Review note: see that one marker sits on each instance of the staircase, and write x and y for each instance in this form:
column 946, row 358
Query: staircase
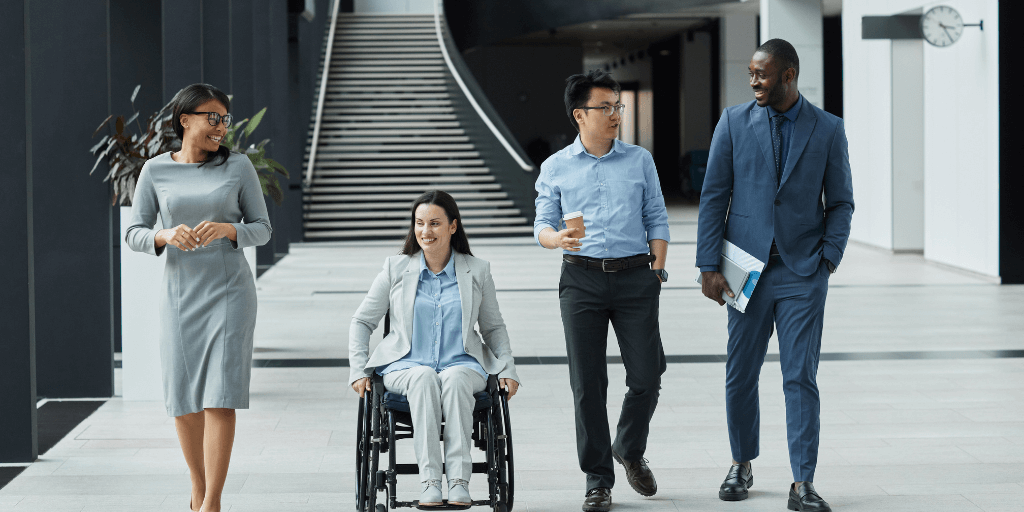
column 389, row 132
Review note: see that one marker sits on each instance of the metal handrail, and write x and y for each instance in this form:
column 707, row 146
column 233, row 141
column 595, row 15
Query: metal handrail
column 438, row 7
column 323, row 94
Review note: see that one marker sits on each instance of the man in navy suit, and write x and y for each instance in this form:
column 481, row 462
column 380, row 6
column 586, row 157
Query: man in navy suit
column 778, row 186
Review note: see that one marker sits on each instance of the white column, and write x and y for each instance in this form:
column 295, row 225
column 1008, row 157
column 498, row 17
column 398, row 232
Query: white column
column 908, row 145
column 738, row 42
column 799, row 22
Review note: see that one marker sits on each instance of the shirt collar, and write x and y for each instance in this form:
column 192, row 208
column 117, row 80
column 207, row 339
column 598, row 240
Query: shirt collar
column 449, row 269
column 577, row 147
column 793, row 111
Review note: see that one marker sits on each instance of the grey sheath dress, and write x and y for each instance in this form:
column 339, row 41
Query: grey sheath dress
column 208, row 303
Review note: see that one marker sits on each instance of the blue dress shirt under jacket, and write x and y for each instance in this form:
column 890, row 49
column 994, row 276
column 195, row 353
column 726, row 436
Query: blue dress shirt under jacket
column 437, row 324
column 618, row 193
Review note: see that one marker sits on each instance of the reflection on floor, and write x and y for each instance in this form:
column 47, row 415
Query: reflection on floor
column 935, row 433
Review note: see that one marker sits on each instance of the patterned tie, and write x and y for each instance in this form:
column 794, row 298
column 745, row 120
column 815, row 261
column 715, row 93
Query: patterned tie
column 777, row 120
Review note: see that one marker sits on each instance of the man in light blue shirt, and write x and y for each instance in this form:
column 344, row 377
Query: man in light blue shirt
column 607, row 276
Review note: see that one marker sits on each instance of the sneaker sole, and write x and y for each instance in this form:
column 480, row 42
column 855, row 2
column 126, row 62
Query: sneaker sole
column 638, row 491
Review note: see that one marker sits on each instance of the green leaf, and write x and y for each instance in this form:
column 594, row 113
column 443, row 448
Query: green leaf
column 120, row 125
column 255, row 122
column 100, row 143
column 136, row 92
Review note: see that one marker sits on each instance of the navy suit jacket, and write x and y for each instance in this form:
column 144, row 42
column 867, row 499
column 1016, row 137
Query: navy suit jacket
column 808, row 216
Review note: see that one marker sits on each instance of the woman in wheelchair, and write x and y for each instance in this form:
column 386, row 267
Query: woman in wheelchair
column 436, row 292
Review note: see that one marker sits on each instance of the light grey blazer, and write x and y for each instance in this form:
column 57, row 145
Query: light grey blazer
column 395, row 289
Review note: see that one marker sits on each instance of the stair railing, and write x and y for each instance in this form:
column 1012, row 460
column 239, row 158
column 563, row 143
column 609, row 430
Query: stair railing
column 438, row 9
column 323, row 93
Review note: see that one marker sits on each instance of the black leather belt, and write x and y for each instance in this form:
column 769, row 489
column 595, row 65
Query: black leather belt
column 609, row 265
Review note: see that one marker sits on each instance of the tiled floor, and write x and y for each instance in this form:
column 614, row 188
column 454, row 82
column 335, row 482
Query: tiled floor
column 901, row 435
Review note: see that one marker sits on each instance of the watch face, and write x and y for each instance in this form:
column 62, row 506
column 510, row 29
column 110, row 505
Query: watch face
column 942, row 26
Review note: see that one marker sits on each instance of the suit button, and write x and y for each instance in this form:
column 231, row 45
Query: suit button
column 777, row 202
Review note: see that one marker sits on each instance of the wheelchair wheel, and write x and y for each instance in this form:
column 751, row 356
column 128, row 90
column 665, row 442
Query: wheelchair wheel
column 363, row 429
column 374, row 459
column 503, row 455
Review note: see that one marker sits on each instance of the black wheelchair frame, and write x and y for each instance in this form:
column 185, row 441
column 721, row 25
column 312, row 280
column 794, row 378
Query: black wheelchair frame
column 381, row 424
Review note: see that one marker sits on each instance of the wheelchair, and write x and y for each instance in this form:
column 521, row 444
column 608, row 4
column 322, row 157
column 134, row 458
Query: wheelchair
column 384, row 419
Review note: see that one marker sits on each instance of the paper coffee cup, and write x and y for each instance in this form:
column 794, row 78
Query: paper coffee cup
column 575, row 220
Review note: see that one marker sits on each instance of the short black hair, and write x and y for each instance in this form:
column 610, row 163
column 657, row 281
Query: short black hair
column 578, row 87
column 783, row 52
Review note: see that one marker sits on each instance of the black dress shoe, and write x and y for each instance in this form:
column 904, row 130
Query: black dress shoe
column 739, row 479
column 639, row 476
column 807, row 499
column 598, row 500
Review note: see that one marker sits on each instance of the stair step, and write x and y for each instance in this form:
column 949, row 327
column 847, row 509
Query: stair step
column 403, row 223
column 402, row 156
column 388, row 31
column 403, row 213
column 353, row 94
column 399, row 233
column 380, row 189
column 334, row 164
column 362, row 208
column 386, row 67
column 426, row 131
column 341, row 77
column 390, row 57
column 373, row 198
column 410, row 109
column 356, row 140
column 338, row 148
column 382, row 46
column 407, row 38
column 426, row 171
column 380, row 180
column 409, row 101
column 392, row 127
column 388, row 85
column 381, row 121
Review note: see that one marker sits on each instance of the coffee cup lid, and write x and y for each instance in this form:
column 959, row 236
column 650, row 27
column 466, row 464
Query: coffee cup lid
column 572, row 215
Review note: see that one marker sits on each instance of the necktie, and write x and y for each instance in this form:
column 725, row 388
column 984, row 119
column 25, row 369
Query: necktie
column 777, row 120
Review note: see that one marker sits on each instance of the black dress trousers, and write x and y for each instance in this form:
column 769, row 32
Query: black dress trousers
column 589, row 299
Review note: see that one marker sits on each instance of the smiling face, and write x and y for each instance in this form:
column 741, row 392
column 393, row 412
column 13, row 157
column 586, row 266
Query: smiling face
column 198, row 132
column 594, row 125
column 771, row 85
column 433, row 230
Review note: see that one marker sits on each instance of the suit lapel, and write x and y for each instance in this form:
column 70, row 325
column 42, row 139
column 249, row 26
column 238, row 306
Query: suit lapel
column 801, row 134
column 410, row 281
column 465, row 279
column 759, row 123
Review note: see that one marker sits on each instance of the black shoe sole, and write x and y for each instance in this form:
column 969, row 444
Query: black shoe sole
column 596, row 509
column 638, row 491
column 795, row 505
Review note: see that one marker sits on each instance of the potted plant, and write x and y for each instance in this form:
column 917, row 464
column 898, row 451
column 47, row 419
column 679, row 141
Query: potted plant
column 126, row 150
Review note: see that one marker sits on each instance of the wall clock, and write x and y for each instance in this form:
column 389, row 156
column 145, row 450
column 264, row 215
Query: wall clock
column 942, row 26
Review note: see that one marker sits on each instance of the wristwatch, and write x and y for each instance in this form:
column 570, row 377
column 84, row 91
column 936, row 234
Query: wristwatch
column 662, row 273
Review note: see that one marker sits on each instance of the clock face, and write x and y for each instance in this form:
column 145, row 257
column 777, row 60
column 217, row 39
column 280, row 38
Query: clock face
column 942, row 26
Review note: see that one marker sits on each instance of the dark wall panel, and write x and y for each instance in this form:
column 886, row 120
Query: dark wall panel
column 216, row 43
column 665, row 83
column 526, row 85
column 182, row 40
column 1011, row 181
column 17, row 381
column 71, row 212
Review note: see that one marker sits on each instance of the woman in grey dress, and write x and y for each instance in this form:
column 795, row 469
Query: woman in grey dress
column 211, row 206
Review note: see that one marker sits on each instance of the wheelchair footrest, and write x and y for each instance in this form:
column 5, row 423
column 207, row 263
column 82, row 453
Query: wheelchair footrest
column 444, row 505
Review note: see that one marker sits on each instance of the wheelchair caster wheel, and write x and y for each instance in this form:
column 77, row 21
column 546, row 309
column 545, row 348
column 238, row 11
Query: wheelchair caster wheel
column 500, row 507
column 380, row 508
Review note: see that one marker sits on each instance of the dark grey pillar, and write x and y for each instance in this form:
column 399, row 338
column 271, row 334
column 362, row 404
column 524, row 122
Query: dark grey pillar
column 1011, row 181
column 182, row 36
column 70, row 208
column 17, row 344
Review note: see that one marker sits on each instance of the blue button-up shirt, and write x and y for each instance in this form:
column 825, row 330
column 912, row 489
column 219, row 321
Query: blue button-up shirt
column 437, row 324
column 618, row 193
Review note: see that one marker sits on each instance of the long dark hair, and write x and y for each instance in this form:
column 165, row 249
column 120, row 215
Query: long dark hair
column 188, row 100
column 460, row 242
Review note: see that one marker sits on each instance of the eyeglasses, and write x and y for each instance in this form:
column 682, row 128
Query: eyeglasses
column 609, row 109
column 214, row 118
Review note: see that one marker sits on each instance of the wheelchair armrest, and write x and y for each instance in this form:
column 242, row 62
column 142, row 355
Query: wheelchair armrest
column 492, row 383
column 378, row 384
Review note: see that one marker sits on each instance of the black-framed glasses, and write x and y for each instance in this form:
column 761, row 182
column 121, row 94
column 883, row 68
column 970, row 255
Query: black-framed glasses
column 609, row 109
column 215, row 118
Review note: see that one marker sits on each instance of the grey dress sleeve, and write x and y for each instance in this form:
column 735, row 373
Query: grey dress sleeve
column 141, row 233
column 374, row 306
column 255, row 226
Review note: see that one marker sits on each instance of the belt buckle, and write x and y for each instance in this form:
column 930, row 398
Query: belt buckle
column 604, row 266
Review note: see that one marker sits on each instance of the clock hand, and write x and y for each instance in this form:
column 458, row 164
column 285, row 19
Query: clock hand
column 945, row 28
